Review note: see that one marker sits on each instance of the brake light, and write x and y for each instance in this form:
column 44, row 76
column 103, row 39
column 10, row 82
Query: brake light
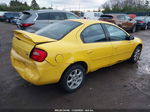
column 38, row 55
column 141, row 22
column 26, row 25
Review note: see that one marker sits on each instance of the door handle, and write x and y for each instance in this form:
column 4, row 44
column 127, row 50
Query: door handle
column 90, row 51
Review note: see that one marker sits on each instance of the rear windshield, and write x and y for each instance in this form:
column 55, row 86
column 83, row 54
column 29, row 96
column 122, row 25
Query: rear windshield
column 106, row 17
column 58, row 30
column 139, row 18
column 25, row 16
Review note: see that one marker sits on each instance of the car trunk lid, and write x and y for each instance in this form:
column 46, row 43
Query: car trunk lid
column 24, row 42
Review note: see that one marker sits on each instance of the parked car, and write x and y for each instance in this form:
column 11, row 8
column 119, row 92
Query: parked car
column 34, row 20
column 122, row 20
column 91, row 15
column 2, row 15
column 11, row 15
column 143, row 22
column 67, row 50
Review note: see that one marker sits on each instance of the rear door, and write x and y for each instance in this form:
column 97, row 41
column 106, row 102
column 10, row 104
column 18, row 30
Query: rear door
column 96, row 46
column 122, row 48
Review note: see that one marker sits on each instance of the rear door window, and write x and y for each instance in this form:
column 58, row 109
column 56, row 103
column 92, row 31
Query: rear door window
column 93, row 33
column 43, row 16
column 57, row 16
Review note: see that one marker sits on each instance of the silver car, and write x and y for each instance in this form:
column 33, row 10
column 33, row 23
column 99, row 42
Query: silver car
column 34, row 20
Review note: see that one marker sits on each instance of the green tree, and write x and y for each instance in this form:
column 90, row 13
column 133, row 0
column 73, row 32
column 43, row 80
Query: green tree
column 34, row 5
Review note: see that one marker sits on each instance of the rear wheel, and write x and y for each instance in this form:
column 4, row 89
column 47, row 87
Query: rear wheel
column 146, row 27
column 136, row 54
column 73, row 78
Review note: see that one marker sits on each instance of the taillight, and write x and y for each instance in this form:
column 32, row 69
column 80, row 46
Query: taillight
column 141, row 22
column 26, row 25
column 38, row 55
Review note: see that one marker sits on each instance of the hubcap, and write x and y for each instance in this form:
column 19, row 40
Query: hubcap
column 75, row 79
column 137, row 54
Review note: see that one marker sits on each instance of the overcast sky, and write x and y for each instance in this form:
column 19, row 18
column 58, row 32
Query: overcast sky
column 66, row 4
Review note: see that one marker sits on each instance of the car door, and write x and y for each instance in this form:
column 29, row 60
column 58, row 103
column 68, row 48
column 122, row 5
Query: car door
column 122, row 48
column 57, row 16
column 96, row 46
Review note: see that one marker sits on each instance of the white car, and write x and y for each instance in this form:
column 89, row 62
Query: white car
column 91, row 15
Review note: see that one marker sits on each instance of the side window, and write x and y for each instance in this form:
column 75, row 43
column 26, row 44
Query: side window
column 43, row 16
column 121, row 17
column 57, row 16
column 71, row 16
column 93, row 33
column 116, row 33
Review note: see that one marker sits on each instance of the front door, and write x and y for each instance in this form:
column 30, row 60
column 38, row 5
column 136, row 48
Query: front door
column 122, row 48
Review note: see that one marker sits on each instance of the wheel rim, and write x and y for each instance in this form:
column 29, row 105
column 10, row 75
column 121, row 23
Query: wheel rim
column 146, row 27
column 134, row 29
column 137, row 54
column 75, row 78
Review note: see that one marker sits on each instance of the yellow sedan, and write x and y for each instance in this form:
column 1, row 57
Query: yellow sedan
column 67, row 50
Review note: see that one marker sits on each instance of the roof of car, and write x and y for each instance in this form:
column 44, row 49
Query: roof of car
column 87, row 21
column 47, row 10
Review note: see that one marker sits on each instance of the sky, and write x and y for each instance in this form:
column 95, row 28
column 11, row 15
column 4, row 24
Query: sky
column 67, row 4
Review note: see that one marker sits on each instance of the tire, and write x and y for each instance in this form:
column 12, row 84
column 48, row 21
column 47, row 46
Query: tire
column 145, row 28
column 136, row 54
column 133, row 30
column 73, row 78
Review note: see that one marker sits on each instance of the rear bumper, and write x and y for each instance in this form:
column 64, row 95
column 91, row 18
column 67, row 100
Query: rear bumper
column 37, row 73
column 140, row 26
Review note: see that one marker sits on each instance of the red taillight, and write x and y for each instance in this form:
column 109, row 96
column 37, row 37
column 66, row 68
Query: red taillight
column 141, row 22
column 38, row 55
column 26, row 25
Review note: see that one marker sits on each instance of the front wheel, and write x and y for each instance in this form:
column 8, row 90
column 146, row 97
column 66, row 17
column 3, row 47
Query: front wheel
column 133, row 29
column 73, row 78
column 136, row 54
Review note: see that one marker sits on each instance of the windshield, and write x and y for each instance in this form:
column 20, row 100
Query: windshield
column 58, row 30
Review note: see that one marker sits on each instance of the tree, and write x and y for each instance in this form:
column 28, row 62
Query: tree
column 34, row 5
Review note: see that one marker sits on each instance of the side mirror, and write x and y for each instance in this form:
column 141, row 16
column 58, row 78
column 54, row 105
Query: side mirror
column 130, row 37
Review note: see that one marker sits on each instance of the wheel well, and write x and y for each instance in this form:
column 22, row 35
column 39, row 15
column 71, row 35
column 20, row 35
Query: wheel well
column 140, row 45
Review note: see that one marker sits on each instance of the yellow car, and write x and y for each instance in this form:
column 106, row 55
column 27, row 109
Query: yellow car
column 67, row 50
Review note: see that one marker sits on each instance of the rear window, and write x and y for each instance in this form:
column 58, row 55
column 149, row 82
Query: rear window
column 25, row 16
column 106, row 17
column 58, row 30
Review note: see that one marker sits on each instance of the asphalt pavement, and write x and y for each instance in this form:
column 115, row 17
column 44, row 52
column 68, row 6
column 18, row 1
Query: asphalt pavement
column 121, row 86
